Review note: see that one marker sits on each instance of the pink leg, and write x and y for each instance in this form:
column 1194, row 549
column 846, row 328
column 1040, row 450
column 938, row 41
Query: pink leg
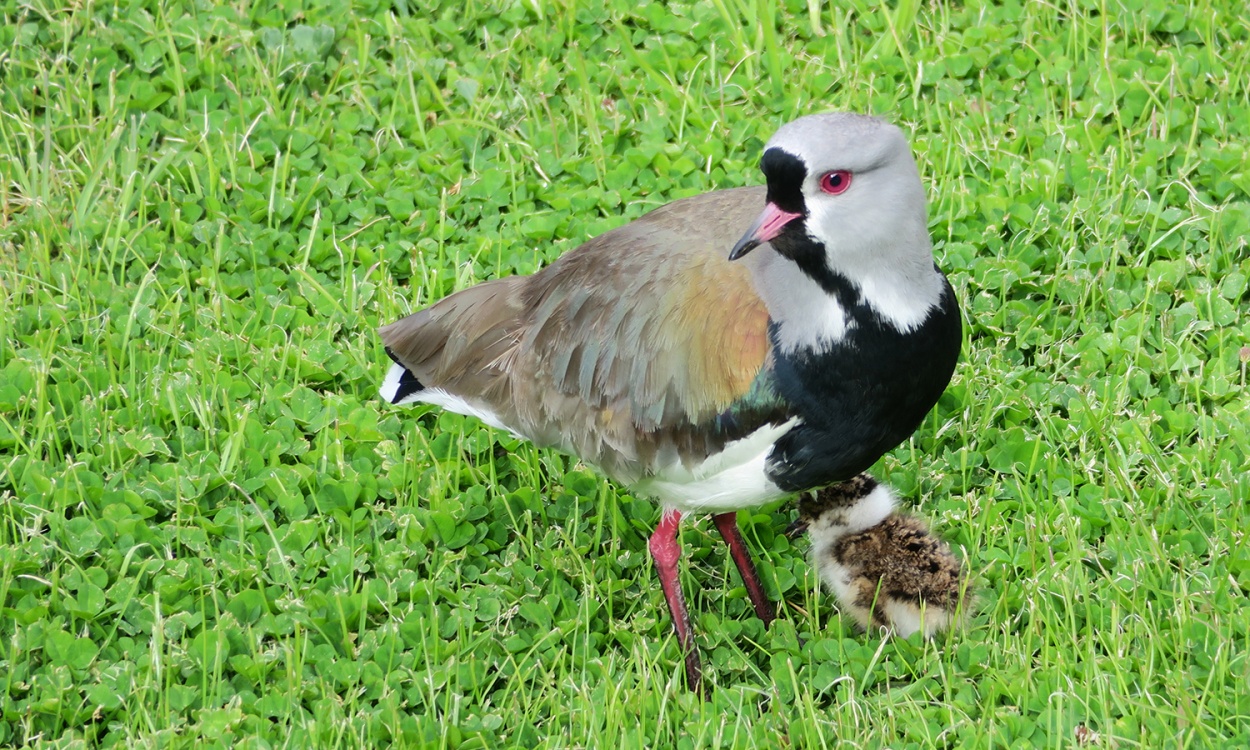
column 666, row 551
column 727, row 523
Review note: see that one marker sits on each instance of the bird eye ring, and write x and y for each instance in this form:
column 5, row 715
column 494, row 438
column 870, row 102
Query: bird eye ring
column 835, row 182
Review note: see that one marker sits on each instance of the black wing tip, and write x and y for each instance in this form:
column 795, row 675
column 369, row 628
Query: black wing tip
column 408, row 383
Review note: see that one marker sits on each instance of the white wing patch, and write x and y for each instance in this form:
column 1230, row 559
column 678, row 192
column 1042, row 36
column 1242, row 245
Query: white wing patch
column 439, row 397
column 725, row 481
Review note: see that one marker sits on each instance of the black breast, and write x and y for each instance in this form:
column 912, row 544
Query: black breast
column 864, row 395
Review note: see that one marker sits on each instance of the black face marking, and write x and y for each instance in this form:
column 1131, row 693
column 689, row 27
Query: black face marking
column 864, row 395
column 785, row 174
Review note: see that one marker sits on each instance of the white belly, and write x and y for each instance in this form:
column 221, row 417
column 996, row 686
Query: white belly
column 725, row 481
column 439, row 397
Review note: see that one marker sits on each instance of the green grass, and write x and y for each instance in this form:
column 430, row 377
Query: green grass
column 213, row 534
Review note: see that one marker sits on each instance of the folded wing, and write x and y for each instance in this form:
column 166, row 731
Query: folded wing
column 642, row 347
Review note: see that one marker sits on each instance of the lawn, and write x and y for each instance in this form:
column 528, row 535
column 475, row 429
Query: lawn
column 213, row 534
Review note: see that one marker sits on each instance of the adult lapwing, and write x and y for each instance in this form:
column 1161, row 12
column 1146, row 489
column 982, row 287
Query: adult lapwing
column 722, row 351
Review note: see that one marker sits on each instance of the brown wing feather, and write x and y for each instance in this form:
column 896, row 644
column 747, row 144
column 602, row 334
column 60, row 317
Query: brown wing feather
column 463, row 343
column 620, row 351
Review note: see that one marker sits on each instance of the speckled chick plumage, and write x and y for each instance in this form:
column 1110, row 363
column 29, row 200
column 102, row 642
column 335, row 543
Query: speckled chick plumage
column 886, row 568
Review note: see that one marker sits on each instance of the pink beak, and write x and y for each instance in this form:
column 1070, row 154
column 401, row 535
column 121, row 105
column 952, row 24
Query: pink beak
column 767, row 226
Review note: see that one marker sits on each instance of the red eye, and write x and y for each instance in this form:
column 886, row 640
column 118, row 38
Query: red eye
column 835, row 182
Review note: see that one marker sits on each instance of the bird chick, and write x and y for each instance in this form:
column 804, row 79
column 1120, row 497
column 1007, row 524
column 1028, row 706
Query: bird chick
column 885, row 567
